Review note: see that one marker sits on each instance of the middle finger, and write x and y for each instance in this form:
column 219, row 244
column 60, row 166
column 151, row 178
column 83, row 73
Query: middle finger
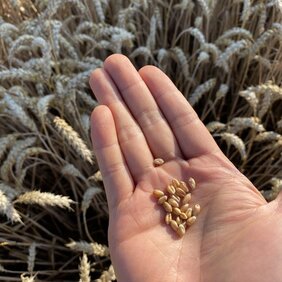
column 143, row 107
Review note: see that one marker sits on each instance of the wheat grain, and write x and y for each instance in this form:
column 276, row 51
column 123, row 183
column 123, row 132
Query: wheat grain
column 162, row 200
column 31, row 257
column 173, row 203
column 73, row 138
column 158, row 162
column 184, row 208
column 158, row 193
column 186, row 199
column 175, row 182
column 168, row 218
column 183, row 215
column 183, row 186
column 176, row 211
column 196, row 210
column 174, row 225
column 44, row 199
column 170, row 189
column 167, row 207
column 191, row 220
column 84, row 269
column 181, row 230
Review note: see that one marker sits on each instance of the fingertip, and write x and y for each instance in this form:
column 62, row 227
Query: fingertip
column 100, row 114
column 149, row 70
column 114, row 61
column 95, row 75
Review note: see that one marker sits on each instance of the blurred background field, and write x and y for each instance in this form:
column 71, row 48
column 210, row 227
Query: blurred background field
column 226, row 58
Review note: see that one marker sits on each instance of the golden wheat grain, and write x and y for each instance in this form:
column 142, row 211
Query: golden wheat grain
column 170, row 189
column 162, row 200
column 168, row 218
column 181, row 230
column 158, row 193
column 184, row 207
column 167, row 207
column 192, row 183
column 191, row 220
column 196, row 210
column 174, row 225
column 173, row 203
column 158, row 162
column 186, row 199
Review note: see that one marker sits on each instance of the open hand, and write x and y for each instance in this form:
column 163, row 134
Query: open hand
column 142, row 116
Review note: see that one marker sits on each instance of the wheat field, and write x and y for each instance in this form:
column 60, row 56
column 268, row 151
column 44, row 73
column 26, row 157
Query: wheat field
column 226, row 58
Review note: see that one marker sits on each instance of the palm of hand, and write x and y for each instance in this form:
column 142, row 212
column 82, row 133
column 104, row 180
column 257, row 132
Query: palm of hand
column 142, row 247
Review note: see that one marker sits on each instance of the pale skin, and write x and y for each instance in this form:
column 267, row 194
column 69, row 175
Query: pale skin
column 142, row 116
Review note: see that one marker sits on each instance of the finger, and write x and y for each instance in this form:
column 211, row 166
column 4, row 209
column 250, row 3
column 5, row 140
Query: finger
column 131, row 139
column 115, row 173
column 191, row 134
column 143, row 107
